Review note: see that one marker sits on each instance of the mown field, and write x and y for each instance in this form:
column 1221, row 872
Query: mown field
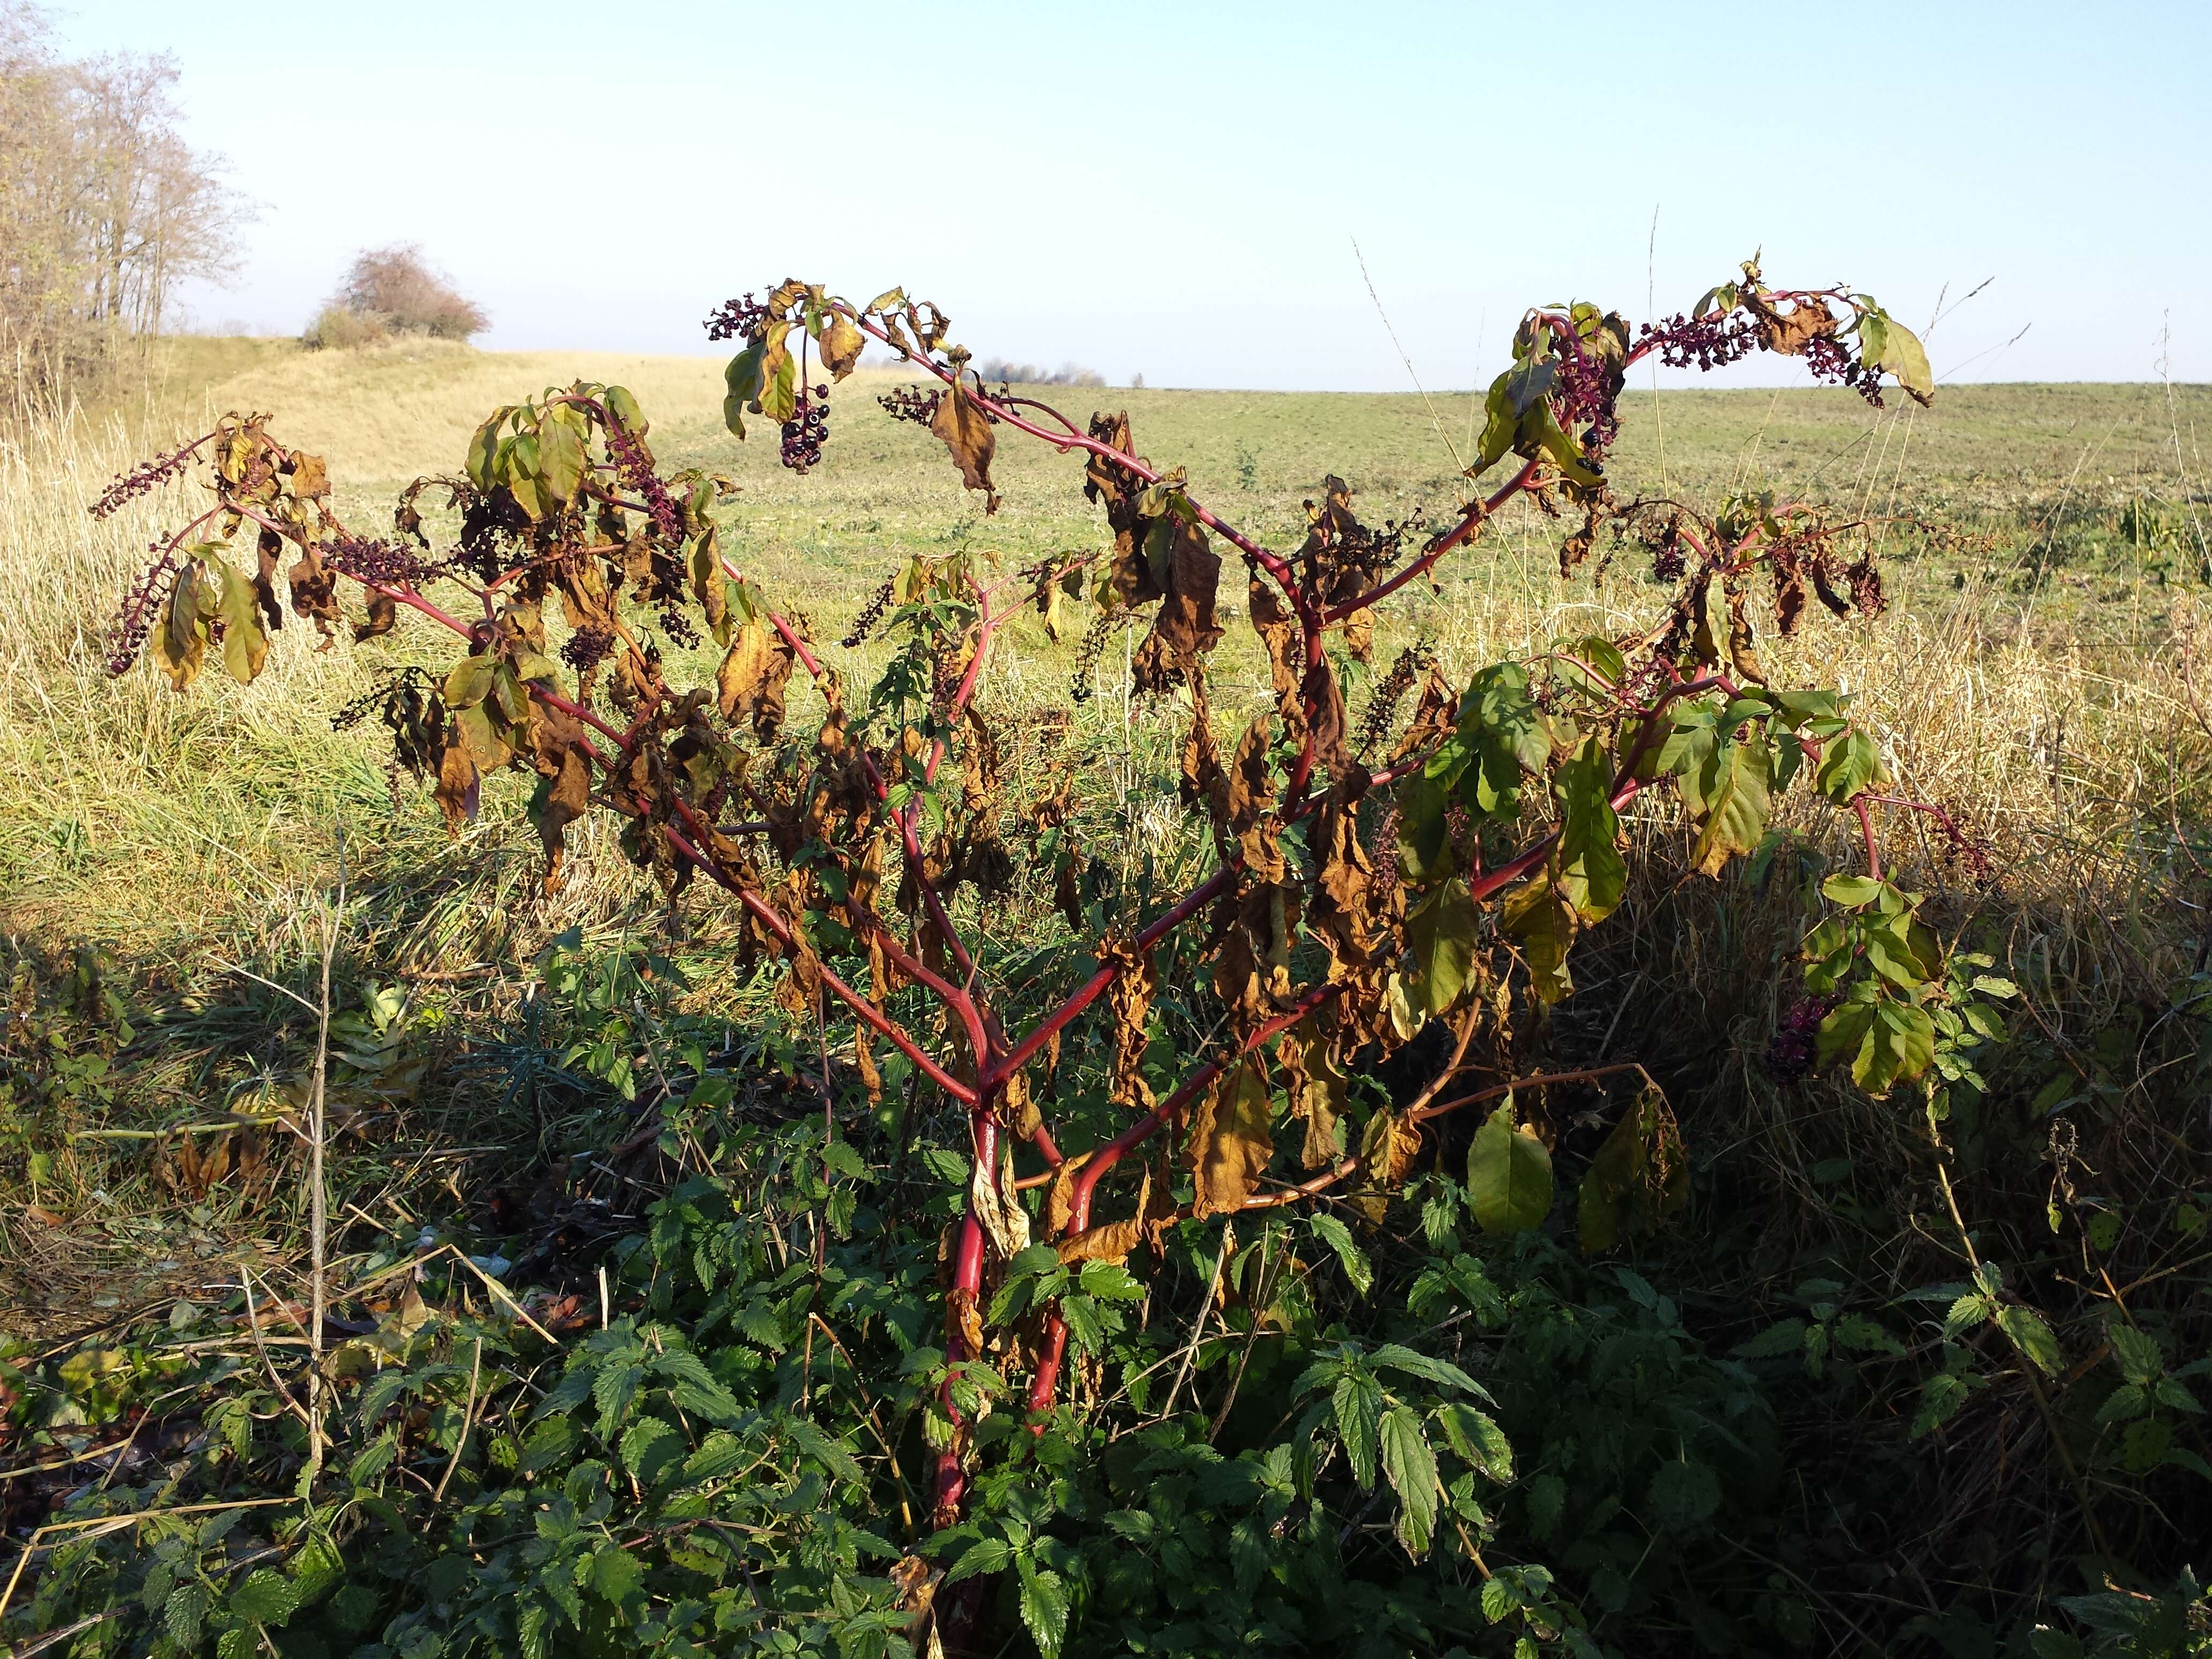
column 167, row 867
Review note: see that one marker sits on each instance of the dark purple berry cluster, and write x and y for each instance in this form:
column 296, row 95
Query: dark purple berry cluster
column 634, row 469
column 143, row 479
column 1797, row 1046
column 869, row 617
column 678, row 627
column 1585, row 389
column 912, row 403
column 1831, row 360
column 1695, row 343
column 135, row 621
column 807, row 430
column 736, row 320
column 588, row 647
column 386, row 564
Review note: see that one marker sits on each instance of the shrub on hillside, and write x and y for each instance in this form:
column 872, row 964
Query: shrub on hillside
column 392, row 291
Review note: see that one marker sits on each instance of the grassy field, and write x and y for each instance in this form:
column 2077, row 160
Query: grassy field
column 2044, row 671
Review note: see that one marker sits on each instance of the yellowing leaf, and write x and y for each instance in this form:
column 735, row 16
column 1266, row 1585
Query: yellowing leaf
column 1231, row 1141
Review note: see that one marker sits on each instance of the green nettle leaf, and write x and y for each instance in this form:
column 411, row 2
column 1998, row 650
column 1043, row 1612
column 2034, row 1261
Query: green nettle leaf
column 1685, row 1494
column 1044, row 1607
column 2032, row 1336
column 1440, row 932
column 265, row 1597
column 1338, row 1236
column 1358, row 1402
column 1509, row 1176
column 1410, row 1464
column 1476, row 1441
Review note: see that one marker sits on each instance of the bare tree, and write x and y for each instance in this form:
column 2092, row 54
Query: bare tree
column 104, row 208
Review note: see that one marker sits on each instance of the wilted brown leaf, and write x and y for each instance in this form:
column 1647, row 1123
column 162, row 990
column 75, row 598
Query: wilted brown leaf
column 960, row 424
column 1230, row 1140
column 750, row 681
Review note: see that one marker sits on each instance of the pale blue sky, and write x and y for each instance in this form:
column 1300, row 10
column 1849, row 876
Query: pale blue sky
column 1173, row 189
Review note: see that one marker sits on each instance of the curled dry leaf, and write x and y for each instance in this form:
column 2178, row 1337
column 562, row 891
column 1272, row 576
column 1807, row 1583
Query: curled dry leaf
column 960, row 424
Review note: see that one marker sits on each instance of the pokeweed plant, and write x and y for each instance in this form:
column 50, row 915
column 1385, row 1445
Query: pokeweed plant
column 1369, row 877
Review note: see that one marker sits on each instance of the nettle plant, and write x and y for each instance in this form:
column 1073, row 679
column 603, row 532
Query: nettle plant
column 1371, row 877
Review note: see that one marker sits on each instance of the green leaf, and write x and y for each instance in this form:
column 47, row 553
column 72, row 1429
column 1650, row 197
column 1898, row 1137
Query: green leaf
column 245, row 641
column 1901, row 1044
column 1410, row 1464
column 2136, row 1355
column 1338, row 1236
column 2032, row 1336
column 984, row 1555
column 1850, row 764
column 469, row 683
column 1477, row 1441
column 1788, row 1337
column 1441, row 932
column 1939, row 1399
column 1358, row 1403
column 1737, row 801
column 1685, row 1494
column 561, row 452
column 266, row 1597
column 1545, row 924
column 1044, row 1607
column 616, row 1574
column 1886, row 343
column 1509, row 1176
column 1851, row 891
column 1588, row 870
column 741, row 382
column 1396, row 1355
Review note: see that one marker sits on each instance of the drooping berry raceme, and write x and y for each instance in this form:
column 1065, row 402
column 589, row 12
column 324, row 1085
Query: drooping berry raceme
column 1790, row 1057
column 1830, row 359
column 134, row 621
column 384, row 564
column 587, row 647
column 144, row 479
column 736, row 320
column 880, row 602
column 807, row 429
column 1695, row 343
column 911, row 403
column 634, row 469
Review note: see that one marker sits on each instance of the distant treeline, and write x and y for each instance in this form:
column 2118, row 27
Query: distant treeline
column 104, row 208
column 997, row 369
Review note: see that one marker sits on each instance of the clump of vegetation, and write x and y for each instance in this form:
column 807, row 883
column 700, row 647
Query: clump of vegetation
column 390, row 292
column 1231, row 1238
